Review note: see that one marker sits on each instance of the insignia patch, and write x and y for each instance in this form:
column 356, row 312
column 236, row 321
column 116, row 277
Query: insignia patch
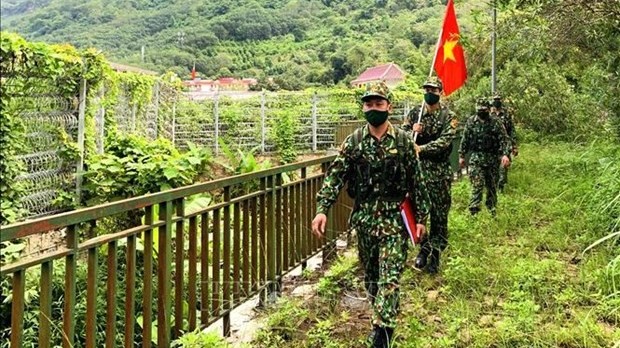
column 454, row 123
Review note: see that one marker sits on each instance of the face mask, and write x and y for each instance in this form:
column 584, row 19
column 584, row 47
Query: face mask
column 431, row 98
column 497, row 103
column 483, row 114
column 376, row 117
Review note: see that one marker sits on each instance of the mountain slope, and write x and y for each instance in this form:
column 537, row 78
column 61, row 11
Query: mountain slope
column 300, row 41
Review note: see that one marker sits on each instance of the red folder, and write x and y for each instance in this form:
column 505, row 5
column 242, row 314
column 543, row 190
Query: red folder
column 407, row 212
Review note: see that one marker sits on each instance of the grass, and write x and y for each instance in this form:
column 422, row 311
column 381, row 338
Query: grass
column 524, row 279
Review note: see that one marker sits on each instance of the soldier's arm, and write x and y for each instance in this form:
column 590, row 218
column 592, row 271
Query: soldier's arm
column 448, row 132
column 335, row 178
column 418, row 189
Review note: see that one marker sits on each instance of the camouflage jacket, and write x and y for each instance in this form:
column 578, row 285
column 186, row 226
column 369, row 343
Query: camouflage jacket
column 384, row 170
column 435, row 140
column 506, row 119
column 486, row 140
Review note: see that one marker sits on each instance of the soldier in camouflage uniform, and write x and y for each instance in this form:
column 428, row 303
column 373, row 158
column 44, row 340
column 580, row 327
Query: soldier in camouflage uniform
column 379, row 164
column 436, row 130
column 486, row 140
column 500, row 112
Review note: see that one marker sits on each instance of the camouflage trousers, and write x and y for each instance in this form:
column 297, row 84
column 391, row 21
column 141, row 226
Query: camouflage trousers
column 437, row 236
column 483, row 176
column 384, row 260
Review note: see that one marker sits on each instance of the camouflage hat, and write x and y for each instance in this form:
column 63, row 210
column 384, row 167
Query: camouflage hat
column 377, row 89
column 482, row 103
column 497, row 96
column 434, row 82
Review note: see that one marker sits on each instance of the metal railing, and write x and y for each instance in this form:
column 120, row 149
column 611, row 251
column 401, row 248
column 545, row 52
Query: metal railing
column 196, row 266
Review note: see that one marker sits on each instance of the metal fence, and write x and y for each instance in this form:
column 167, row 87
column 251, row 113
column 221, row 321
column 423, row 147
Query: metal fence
column 192, row 266
column 249, row 123
column 50, row 120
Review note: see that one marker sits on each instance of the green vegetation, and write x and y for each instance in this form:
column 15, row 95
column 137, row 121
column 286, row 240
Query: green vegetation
column 524, row 279
column 556, row 61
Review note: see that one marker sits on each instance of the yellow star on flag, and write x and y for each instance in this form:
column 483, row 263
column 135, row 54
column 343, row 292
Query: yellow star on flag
column 448, row 48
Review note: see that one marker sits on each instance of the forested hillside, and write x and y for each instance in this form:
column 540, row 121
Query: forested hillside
column 557, row 59
column 300, row 42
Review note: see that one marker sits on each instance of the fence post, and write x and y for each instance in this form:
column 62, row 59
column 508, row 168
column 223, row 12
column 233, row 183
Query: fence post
column 262, row 121
column 216, row 115
column 101, row 121
column 80, row 140
column 271, row 240
column 156, row 109
column 174, row 119
column 134, row 111
column 314, row 121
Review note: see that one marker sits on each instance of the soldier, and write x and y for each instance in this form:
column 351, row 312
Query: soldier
column 379, row 164
column 486, row 139
column 500, row 112
column 436, row 131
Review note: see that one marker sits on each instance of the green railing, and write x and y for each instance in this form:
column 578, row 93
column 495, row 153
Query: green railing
column 210, row 260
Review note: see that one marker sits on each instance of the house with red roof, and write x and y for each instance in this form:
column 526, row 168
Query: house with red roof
column 391, row 73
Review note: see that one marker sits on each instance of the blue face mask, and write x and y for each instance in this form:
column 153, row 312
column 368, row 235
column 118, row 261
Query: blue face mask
column 376, row 117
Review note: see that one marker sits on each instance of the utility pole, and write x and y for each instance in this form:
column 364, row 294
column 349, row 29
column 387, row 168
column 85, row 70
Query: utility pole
column 493, row 49
column 142, row 54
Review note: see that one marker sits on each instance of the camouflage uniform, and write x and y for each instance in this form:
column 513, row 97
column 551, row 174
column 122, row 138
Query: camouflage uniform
column 379, row 173
column 487, row 141
column 434, row 146
column 506, row 118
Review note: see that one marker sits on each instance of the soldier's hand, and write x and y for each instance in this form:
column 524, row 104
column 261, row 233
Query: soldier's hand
column 505, row 161
column 462, row 162
column 417, row 149
column 420, row 229
column 418, row 127
column 318, row 225
column 515, row 151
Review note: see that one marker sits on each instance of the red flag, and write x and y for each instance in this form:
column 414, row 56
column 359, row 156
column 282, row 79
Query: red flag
column 450, row 60
column 194, row 72
column 407, row 212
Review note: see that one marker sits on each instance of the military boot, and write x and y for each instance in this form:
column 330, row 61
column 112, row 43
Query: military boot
column 376, row 338
column 389, row 334
column 433, row 265
column 420, row 260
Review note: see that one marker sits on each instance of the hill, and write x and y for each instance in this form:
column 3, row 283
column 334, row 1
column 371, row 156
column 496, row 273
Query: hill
column 300, row 42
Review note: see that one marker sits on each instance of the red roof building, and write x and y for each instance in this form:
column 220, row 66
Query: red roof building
column 391, row 73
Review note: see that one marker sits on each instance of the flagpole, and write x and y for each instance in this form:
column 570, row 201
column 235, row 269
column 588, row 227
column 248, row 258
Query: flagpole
column 430, row 74
column 493, row 50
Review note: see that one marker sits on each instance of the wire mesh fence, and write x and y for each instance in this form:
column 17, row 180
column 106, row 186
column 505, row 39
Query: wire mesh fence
column 49, row 121
column 250, row 123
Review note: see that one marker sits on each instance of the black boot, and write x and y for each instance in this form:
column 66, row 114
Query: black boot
column 433, row 265
column 389, row 334
column 376, row 338
column 420, row 260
